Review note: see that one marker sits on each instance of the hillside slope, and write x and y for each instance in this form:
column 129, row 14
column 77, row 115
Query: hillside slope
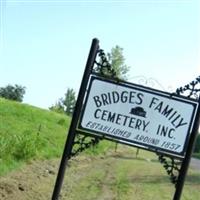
column 27, row 132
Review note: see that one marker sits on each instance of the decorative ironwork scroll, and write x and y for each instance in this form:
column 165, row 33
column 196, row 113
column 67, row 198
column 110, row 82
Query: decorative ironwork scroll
column 102, row 65
column 83, row 142
column 172, row 165
column 150, row 82
column 191, row 90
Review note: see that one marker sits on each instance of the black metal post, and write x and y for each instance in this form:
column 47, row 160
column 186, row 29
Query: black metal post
column 71, row 134
column 186, row 160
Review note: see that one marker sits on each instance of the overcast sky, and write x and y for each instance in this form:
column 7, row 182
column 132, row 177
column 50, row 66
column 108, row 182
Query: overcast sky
column 45, row 44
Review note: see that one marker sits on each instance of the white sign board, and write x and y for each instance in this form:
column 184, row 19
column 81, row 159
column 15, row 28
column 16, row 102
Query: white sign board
column 138, row 115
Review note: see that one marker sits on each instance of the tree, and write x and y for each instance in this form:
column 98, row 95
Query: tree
column 66, row 105
column 58, row 107
column 69, row 101
column 113, row 62
column 11, row 92
column 117, row 61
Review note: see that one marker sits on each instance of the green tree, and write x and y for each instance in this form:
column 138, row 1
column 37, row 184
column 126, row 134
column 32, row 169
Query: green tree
column 66, row 105
column 113, row 61
column 58, row 107
column 11, row 92
column 69, row 101
column 117, row 61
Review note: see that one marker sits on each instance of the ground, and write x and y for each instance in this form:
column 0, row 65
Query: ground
column 88, row 177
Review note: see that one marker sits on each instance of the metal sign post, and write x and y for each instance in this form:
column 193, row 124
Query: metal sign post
column 186, row 160
column 71, row 134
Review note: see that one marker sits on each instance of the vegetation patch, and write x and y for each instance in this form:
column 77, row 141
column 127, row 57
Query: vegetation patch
column 27, row 132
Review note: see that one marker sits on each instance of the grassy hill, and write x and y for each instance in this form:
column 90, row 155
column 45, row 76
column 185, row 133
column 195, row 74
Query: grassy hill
column 27, row 132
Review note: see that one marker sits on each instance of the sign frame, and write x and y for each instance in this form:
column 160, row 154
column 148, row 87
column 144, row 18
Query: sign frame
column 166, row 95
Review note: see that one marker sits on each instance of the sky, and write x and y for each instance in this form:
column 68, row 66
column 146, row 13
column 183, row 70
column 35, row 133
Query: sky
column 44, row 45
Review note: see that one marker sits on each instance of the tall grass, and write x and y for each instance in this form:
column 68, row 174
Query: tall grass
column 27, row 132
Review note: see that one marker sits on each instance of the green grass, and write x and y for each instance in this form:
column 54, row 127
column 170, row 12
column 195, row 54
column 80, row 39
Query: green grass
column 27, row 132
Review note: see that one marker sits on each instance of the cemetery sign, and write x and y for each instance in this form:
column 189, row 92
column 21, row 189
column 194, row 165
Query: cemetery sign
column 138, row 115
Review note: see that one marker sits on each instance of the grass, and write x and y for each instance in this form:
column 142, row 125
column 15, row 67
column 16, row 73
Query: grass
column 27, row 132
column 121, row 176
